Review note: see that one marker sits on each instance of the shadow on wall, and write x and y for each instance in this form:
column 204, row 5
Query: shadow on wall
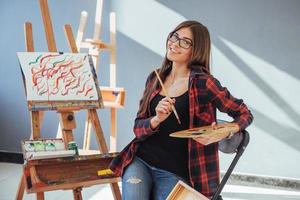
column 134, row 63
column 261, row 119
column 267, row 40
column 238, row 22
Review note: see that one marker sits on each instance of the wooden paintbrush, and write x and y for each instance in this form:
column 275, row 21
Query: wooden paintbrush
column 167, row 95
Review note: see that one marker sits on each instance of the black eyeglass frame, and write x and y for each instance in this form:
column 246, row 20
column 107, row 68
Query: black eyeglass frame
column 187, row 41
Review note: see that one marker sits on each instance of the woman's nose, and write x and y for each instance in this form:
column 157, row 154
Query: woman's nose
column 176, row 43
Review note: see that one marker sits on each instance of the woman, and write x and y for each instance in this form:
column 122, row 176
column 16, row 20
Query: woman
column 153, row 162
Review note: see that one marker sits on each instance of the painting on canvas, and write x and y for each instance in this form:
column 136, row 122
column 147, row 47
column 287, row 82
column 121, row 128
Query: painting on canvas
column 55, row 77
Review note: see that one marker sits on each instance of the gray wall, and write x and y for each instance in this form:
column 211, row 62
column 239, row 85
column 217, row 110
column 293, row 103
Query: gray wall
column 255, row 46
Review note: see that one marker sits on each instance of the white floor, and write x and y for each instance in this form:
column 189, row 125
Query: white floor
column 10, row 177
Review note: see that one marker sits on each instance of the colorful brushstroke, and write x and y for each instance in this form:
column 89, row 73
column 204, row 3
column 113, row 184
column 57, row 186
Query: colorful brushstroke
column 61, row 75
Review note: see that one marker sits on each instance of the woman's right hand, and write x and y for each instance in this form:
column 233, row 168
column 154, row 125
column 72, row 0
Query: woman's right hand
column 163, row 110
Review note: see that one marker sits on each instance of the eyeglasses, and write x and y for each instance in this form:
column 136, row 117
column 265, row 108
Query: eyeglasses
column 183, row 42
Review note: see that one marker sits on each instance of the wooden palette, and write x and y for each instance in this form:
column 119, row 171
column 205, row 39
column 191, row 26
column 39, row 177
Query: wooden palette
column 208, row 133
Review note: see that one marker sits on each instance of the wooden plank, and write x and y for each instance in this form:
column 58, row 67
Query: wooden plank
column 183, row 191
column 67, row 119
column 40, row 196
column 77, row 193
column 35, row 125
column 113, row 111
column 113, row 36
column 30, row 48
column 87, row 133
column 116, row 192
column 113, row 130
column 113, row 97
column 98, row 19
column 36, row 134
column 81, row 27
column 67, row 123
column 99, row 44
column 36, row 117
column 70, row 38
column 103, row 148
column 98, row 131
column 21, row 188
column 28, row 37
column 48, row 25
column 29, row 44
column 35, row 178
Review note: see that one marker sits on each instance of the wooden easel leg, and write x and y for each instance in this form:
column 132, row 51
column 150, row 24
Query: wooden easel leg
column 116, row 191
column 87, row 133
column 77, row 194
column 40, row 196
column 103, row 147
column 35, row 134
column 20, row 192
column 98, row 131
column 67, row 123
column 113, row 130
column 21, row 189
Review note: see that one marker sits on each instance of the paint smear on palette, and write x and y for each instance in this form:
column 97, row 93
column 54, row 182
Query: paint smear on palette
column 58, row 77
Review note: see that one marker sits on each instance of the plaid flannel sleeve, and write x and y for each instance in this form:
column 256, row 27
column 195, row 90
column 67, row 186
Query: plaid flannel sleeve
column 225, row 102
column 142, row 127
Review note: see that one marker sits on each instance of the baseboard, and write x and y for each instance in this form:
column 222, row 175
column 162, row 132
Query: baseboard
column 263, row 181
column 11, row 157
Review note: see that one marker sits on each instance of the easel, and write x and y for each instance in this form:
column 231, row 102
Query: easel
column 113, row 96
column 66, row 115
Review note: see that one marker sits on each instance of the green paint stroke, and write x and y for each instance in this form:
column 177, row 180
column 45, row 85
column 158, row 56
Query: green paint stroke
column 33, row 62
column 55, row 63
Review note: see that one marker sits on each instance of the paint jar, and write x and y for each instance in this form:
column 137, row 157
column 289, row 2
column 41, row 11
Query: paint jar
column 73, row 146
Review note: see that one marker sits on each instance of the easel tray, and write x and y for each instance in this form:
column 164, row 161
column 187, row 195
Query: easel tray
column 68, row 173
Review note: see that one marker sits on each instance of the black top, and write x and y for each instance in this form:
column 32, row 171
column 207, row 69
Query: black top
column 165, row 152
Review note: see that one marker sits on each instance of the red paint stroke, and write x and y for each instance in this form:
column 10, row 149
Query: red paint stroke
column 64, row 74
column 90, row 89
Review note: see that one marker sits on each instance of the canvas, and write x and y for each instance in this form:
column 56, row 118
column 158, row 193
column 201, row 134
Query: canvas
column 54, row 77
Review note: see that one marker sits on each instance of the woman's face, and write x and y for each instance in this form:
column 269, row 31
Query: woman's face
column 179, row 46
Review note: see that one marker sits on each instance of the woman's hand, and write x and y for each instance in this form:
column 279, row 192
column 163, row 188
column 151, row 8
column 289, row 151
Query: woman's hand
column 163, row 110
column 209, row 140
column 206, row 140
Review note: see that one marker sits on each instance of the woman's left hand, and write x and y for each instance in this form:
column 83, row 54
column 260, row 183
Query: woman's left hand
column 206, row 140
column 209, row 140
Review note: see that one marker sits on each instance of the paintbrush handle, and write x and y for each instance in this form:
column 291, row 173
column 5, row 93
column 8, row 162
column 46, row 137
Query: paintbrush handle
column 166, row 94
column 162, row 85
column 176, row 114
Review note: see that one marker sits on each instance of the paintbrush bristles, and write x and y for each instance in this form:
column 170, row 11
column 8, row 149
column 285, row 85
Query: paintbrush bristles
column 167, row 95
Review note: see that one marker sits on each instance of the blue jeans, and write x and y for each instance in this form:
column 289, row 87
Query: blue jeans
column 141, row 181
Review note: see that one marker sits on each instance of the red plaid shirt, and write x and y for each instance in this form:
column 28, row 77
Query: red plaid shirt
column 205, row 95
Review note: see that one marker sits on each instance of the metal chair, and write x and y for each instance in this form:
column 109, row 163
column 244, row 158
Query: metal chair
column 235, row 144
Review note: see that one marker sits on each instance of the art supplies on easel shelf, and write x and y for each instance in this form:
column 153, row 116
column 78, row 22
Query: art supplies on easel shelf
column 64, row 173
column 46, row 148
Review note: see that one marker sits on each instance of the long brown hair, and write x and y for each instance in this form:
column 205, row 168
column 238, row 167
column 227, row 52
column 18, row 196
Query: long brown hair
column 200, row 59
